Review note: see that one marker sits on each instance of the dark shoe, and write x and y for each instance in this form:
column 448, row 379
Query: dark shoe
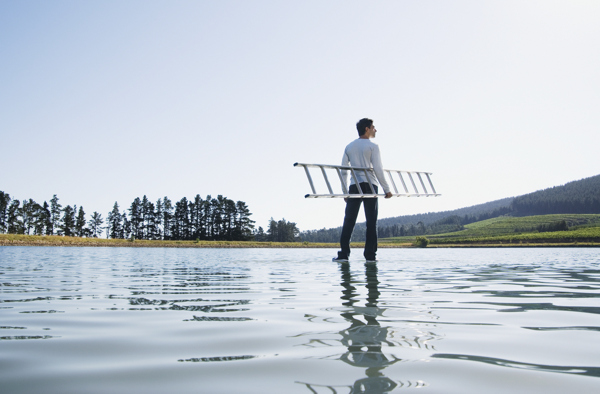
column 339, row 260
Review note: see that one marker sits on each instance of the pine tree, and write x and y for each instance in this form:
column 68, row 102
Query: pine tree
column 243, row 225
column 14, row 221
column 197, row 217
column 158, row 215
column 40, row 220
column 80, row 223
column 181, row 222
column 95, row 225
column 125, row 232
column 207, row 228
column 67, row 224
column 145, row 218
column 272, row 233
column 217, row 208
column 114, row 228
column 149, row 221
column 229, row 219
column 4, row 204
column 29, row 213
column 47, row 218
column 55, row 211
column 135, row 219
column 167, row 218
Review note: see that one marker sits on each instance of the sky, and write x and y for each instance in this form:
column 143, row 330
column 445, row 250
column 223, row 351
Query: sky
column 106, row 101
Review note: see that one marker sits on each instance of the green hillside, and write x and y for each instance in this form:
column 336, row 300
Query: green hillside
column 563, row 228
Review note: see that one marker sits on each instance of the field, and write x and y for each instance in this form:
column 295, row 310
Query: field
column 515, row 230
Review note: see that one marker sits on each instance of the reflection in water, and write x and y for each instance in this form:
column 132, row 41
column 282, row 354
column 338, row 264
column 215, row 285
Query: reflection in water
column 216, row 359
column 215, row 318
column 27, row 337
column 365, row 338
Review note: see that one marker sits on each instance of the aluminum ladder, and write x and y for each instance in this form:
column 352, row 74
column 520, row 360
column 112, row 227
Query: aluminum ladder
column 410, row 175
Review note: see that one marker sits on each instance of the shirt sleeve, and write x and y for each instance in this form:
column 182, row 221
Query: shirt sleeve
column 345, row 162
column 378, row 169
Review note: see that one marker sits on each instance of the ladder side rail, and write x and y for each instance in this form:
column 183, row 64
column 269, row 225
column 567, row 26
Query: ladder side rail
column 422, row 184
column 363, row 195
column 326, row 180
column 430, row 183
column 413, row 182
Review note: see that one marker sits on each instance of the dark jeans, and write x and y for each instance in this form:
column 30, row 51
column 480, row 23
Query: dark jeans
column 352, row 208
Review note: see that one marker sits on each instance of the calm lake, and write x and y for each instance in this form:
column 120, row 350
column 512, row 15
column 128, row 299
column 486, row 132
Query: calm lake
column 134, row 320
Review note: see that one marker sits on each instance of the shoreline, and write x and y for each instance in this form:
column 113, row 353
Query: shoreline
column 55, row 240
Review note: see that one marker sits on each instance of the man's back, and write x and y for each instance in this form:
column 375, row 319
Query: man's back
column 365, row 153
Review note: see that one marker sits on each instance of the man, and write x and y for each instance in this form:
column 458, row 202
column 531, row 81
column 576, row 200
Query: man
column 362, row 153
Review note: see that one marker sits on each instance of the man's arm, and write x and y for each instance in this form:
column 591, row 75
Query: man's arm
column 378, row 169
column 345, row 162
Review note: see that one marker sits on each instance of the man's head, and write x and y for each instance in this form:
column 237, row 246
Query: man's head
column 363, row 125
column 365, row 128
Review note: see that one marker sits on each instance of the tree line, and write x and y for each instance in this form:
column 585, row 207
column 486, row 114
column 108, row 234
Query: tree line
column 278, row 231
column 29, row 217
column 213, row 218
column 199, row 219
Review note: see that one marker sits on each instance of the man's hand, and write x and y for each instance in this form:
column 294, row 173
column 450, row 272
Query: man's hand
column 388, row 195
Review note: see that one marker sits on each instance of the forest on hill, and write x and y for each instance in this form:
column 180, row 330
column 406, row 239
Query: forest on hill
column 580, row 197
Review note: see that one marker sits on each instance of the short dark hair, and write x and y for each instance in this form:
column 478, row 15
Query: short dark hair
column 363, row 124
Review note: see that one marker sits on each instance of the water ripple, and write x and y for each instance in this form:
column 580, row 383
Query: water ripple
column 161, row 320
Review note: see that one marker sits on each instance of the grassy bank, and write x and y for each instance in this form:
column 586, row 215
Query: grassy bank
column 54, row 240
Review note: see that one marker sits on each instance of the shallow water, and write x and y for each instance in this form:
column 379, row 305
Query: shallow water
column 129, row 320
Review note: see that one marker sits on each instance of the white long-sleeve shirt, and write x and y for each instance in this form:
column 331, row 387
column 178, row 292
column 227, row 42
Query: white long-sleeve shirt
column 364, row 153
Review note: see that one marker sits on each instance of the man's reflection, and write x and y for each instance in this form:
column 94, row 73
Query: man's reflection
column 365, row 338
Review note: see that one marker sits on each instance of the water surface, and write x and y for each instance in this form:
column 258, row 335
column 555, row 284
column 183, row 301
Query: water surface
column 132, row 320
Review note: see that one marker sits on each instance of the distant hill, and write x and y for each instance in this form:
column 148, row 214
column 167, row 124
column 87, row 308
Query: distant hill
column 485, row 209
column 580, row 197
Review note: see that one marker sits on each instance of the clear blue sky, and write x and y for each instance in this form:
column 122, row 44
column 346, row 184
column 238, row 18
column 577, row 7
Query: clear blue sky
column 104, row 101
